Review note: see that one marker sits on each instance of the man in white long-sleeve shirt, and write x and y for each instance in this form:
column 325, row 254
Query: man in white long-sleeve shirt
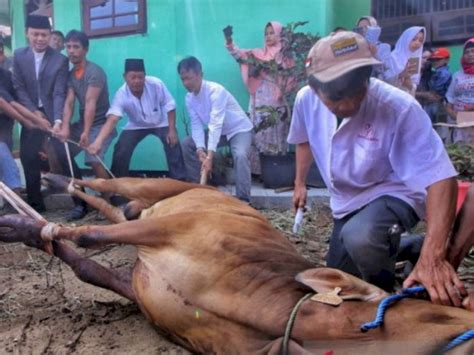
column 210, row 104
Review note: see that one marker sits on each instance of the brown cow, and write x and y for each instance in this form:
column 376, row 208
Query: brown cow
column 216, row 277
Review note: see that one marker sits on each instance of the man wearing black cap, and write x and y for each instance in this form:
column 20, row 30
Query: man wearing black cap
column 151, row 110
column 39, row 78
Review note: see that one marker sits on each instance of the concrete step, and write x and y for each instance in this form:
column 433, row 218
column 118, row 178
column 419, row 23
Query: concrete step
column 261, row 198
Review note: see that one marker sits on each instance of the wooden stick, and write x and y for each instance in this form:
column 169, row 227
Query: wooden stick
column 24, row 209
column 18, row 204
column 203, row 180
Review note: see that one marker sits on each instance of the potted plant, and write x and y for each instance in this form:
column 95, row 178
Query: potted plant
column 277, row 162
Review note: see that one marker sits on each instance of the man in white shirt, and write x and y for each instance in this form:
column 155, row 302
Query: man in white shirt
column 210, row 104
column 151, row 110
column 383, row 165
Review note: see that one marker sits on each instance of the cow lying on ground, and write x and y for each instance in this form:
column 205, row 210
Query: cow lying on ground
column 216, row 277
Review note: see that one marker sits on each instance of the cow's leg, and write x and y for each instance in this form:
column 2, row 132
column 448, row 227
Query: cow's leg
column 149, row 191
column 93, row 273
column 153, row 231
column 16, row 228
column 112, row 213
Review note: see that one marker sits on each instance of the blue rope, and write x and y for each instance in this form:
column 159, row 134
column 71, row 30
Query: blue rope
column 459, row 340
column 386, row 302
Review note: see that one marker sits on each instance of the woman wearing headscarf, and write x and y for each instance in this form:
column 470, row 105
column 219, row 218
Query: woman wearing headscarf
column 404, row 65
column 264, row 90
column 460, row 94
column 368, row 27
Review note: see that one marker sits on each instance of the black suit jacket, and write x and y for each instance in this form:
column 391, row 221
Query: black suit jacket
column 52, row 81
column 6, row 93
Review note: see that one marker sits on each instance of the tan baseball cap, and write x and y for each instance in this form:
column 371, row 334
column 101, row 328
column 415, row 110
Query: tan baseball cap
column 338, row 54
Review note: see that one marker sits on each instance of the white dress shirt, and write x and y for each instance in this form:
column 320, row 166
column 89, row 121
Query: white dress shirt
column 215, row 107
column 148, row 111
column 38, row 61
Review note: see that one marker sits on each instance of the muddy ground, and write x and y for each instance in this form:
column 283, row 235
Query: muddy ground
column 45, row 309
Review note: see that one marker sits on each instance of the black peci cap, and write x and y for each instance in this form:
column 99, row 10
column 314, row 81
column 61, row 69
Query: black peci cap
column 134, row 64
column 39, row 22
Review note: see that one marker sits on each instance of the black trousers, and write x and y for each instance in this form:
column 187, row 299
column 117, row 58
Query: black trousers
column 127, row 143
column 363, row 244
column 31, row 143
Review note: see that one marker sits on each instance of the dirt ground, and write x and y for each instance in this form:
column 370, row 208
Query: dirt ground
column 45, row 309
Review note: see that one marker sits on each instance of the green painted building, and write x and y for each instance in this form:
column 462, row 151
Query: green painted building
column 165, row 31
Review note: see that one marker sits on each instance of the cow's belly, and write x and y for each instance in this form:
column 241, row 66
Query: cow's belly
column 168, row 307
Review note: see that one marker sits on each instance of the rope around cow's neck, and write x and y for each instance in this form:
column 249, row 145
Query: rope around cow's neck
column 291, row 322
column 408, row 292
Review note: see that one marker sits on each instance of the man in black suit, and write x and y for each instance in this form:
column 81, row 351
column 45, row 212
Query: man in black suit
column 40, row 80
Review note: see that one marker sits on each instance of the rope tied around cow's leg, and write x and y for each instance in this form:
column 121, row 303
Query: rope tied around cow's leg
column 49, row 231
column 70, row 187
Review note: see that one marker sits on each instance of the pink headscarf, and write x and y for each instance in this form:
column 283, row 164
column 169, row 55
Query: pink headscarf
column 267, row 53
column 468, row 68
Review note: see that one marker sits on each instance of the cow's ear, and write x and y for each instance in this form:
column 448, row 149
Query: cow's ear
column 323, row 280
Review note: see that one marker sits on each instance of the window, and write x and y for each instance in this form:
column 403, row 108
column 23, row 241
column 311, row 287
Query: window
column 112, row 17
column 444, row 20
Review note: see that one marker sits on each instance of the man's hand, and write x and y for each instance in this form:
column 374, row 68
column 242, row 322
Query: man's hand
column 28, row 124
column 172, row 137
column 63, row 133
column 56, row 128
column 94, row 148
column 440, row 280
column 84, row 140
column 201, row 154
column 42, row 122
column 299, row 196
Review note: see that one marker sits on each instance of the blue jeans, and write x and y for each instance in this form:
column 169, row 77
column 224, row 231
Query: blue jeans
column 240, row 148
column 9, row 172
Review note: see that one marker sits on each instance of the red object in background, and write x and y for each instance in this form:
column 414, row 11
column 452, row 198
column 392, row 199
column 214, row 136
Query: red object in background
column 463, row 186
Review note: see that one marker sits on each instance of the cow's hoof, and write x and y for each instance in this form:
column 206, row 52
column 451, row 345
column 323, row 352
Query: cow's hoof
column 21, row 229
column 55, row 182
column 133, row 209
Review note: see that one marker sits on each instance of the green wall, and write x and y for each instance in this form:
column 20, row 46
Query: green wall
column 345, row 13
column 177, row 28
column 200, row 32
